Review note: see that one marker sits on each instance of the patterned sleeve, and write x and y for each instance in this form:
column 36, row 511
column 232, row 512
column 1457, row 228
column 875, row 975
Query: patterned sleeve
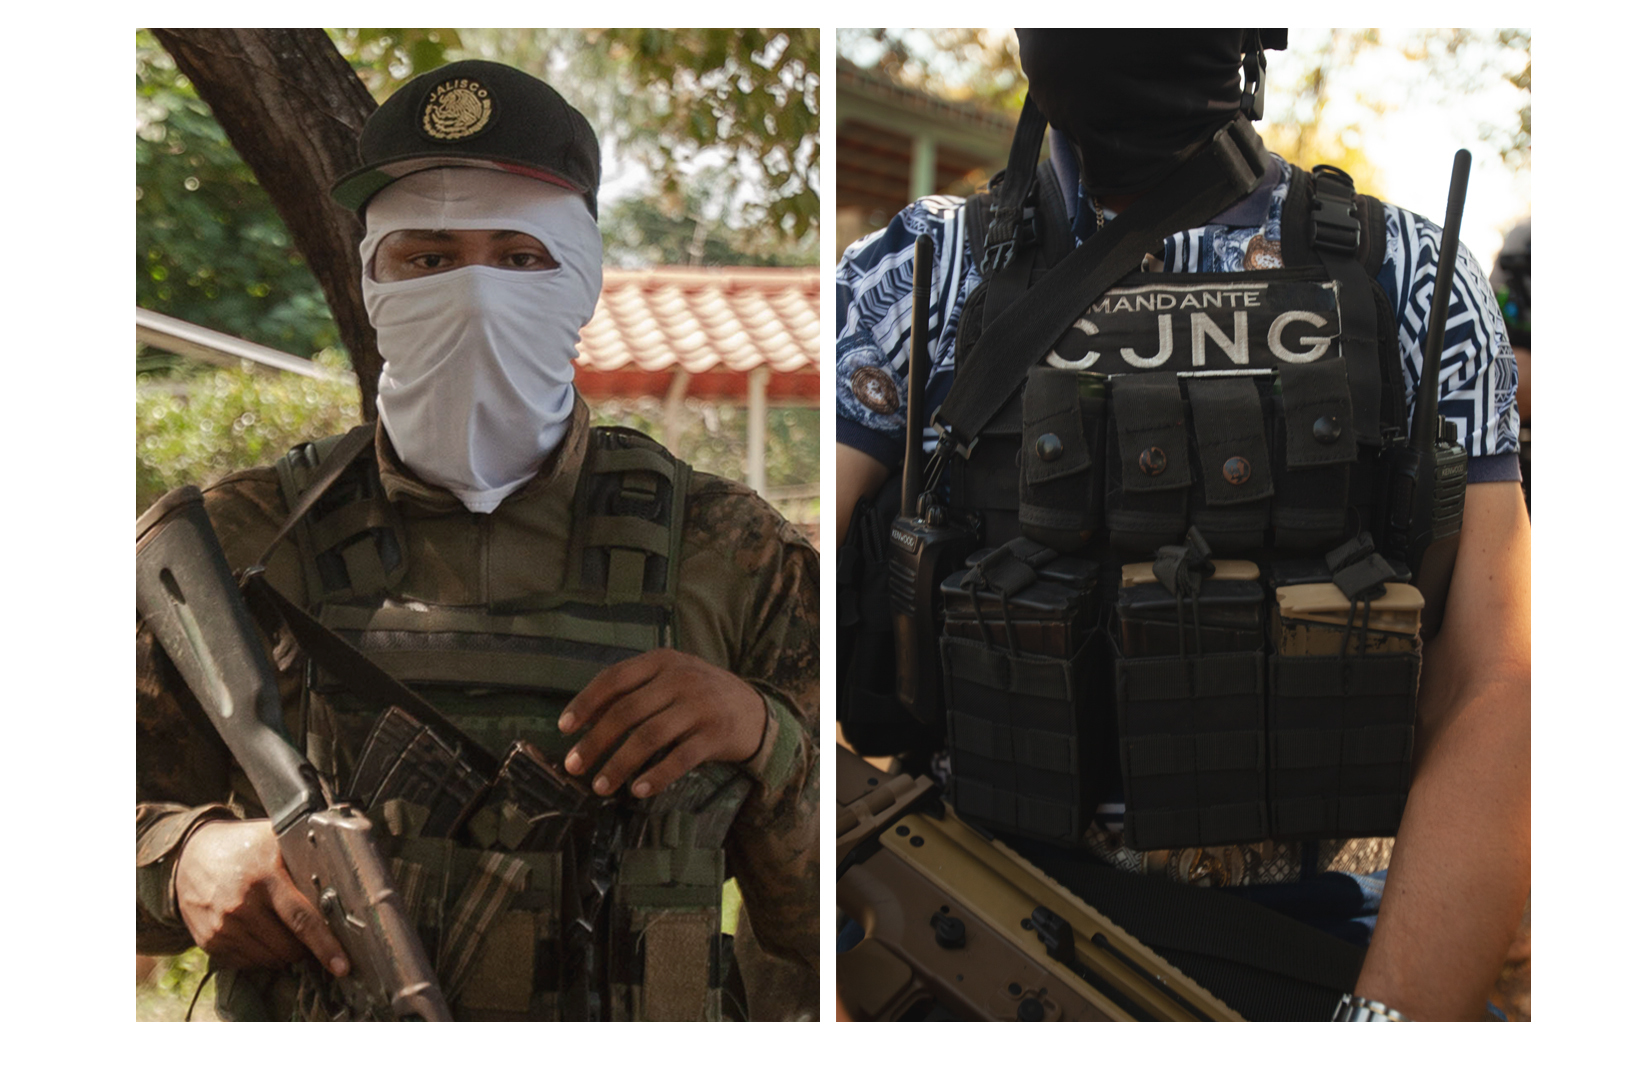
column 874, row 322
column 756, row 585
column 1478, row 374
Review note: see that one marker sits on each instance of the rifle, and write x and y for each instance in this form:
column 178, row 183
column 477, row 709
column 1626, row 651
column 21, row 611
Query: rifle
column 961, row 927
column 187, row 595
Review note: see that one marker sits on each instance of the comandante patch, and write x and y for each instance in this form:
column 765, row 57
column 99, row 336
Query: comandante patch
column 456, row 109
column 1194, row 322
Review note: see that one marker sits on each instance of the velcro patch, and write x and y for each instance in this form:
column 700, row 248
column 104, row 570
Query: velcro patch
column 1203, row 322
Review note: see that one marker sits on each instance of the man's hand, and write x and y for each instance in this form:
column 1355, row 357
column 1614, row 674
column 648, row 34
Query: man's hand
column 654, row 702
column 240, row 904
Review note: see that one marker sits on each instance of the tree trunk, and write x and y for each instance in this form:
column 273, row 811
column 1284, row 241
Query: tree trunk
column 293, row 108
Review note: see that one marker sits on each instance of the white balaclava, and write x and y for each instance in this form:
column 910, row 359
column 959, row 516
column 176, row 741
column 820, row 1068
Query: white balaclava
column 476, row 388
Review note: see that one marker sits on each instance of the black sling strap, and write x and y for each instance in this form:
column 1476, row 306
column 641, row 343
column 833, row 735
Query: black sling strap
column 1226, row 170
column 347, row 448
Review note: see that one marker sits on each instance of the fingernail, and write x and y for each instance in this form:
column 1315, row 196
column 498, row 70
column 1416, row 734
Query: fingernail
column 338, row 965
column 641, row 789
column 566, row 722
column 601, row 785
column 572, row 762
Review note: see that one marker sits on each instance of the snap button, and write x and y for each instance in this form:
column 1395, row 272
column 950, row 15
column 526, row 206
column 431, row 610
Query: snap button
column 1237, row 470
column 1048, row 447
column 1153, row 462
column 1327, row 429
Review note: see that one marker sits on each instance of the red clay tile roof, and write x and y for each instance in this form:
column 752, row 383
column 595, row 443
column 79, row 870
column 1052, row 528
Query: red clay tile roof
column 717, row 324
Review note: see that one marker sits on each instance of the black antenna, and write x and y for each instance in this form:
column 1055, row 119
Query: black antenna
column 1426, row 424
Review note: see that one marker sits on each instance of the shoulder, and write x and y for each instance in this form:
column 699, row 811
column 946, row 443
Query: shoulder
column 731, row 522
column 938, row 217
column 246, row 508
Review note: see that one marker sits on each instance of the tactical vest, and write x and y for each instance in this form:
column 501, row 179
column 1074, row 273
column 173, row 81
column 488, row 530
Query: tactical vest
column 547, row 903
column 1090, row 645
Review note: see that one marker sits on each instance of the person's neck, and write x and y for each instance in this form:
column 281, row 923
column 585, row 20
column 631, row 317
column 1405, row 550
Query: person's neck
column 1116, row 204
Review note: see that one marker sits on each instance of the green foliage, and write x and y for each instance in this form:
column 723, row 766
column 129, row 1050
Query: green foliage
column 713, row 440
column 198, row 427
column 640, row 232
column 673, row 98
column 387, row 59
column 955, row 63
column 211, row 249
column 167, row 993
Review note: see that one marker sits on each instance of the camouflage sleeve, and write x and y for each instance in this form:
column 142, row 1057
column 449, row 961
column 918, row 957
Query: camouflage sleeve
column 185, row 776
column 773, row 632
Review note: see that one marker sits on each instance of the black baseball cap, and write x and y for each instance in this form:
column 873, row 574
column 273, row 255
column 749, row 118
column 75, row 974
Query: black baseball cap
column 480, row 114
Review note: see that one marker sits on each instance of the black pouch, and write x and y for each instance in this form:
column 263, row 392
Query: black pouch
column 1020, row 657
column 1227, row 616
column 1147, row 463
column 1231, row 504
column 1343, row 698
column 1191, row 725
column 1313, row 440
column 1062, row 457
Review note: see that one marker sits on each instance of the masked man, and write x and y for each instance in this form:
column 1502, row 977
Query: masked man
column 652, row 632
column 1115, row 442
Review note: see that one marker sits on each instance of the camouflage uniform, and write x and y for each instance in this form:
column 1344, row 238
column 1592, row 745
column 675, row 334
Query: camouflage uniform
column 747, row 602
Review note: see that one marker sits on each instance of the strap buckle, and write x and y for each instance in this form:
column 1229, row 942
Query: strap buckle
column 950, row 442
column 1334, row 226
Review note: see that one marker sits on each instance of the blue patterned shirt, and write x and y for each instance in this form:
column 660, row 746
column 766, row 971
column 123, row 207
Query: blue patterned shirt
column 874, row 315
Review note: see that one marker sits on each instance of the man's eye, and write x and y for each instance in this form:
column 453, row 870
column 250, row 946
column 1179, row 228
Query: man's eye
column 429, row 261
column 526, row 260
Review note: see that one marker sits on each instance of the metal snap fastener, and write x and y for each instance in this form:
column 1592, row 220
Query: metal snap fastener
column 1327, row 429
column 1031, row 1010
column 1153, row 462
column 1048, row 447
column 1237, row 470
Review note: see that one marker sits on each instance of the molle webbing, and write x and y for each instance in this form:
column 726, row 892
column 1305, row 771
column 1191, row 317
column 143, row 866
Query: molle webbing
column 629, row 508
column 351, row 541
column 518, row 932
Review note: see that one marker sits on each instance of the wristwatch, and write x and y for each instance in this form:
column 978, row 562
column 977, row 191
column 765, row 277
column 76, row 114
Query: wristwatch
column 1352, row 1008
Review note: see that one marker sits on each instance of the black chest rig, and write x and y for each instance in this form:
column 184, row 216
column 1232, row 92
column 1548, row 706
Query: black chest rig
column 536, row 899
column 1154, row 579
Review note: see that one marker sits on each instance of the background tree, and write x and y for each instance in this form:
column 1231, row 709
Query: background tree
column 293, row 109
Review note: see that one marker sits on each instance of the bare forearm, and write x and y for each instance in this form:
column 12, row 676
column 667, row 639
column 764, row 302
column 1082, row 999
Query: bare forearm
column 1462, row 866
column 1461, row 871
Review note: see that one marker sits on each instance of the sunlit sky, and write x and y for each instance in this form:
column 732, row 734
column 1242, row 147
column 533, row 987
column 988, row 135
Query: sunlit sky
column 1412, row 144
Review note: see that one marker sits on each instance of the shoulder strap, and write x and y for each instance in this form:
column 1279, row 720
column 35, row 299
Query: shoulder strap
column 340, row 455
column 627, row 538
column 1226, row 170
column 1345, row 233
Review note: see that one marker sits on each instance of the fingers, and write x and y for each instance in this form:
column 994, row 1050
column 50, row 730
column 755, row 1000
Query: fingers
column 612, row 724
column 305, row 922
column 607, row 686
column 648, row 738
column 685, row 756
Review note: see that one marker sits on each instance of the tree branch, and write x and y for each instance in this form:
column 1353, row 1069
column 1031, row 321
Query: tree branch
column 293, row 108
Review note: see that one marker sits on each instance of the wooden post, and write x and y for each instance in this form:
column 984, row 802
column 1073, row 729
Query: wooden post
column 757, row 419
column 672, row 410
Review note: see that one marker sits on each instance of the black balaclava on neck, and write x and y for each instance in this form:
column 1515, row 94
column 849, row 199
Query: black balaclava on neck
column 1134, row 103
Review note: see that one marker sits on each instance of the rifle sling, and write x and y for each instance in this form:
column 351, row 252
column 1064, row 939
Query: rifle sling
column 356, row 670
column 1226, row 170
column 341, row 456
